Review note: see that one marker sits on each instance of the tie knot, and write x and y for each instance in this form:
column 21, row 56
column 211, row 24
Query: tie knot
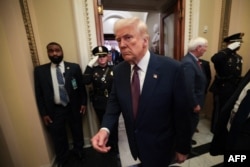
column 136, row 68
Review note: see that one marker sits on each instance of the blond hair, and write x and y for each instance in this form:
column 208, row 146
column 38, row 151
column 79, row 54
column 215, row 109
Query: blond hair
column 139, row 25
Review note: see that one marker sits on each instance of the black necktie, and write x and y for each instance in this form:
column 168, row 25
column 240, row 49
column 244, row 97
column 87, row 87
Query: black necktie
column 62, row 91
column 135, row 89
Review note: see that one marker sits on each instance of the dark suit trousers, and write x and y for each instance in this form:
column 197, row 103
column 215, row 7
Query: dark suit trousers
column 58, row 131
column 194, row 121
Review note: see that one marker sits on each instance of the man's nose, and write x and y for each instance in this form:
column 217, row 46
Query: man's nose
column 122, row 43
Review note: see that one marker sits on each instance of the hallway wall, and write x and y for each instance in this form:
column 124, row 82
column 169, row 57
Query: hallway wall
column 210, row 15
column 20, row 124
column 25, row 140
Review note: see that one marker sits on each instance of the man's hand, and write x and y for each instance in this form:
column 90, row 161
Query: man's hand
column 234, row 45
column 83, row 109
column 93, row 61
column 197, row 109
column 47, row 120
column 100, row 140
column 180, row 158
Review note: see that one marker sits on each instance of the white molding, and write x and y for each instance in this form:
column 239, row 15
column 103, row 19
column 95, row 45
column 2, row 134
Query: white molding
column 192, row 16
column 85, row 29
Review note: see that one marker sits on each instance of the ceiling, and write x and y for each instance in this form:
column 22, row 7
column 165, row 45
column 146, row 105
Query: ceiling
column 138, row 5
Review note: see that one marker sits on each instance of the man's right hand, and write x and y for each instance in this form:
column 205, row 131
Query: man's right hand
column 47, row 120
column 234, row 45
column 93, row 61
column 100, row 140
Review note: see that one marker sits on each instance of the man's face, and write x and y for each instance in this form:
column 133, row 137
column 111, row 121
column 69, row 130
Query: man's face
column 132, row 45
column 102, row 60
column 55, row 53
column 201, row 50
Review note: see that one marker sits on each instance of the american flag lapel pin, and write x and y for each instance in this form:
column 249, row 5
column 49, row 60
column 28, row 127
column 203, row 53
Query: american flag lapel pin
column 155, row 76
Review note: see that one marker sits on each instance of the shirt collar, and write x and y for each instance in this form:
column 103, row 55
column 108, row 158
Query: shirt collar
column 61, row 65
column 143, row 63
column 194, row 56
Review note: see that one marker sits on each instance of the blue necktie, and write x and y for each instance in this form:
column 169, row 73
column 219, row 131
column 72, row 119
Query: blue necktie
column 62, row 91
column 135, row 90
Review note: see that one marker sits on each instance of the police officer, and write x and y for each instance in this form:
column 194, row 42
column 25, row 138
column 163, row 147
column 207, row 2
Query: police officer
column 228, row 67
column 100, row 75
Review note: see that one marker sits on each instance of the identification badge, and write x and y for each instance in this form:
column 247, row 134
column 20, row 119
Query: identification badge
column 74, row 83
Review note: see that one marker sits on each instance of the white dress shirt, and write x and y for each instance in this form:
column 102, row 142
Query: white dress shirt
column 55, row 82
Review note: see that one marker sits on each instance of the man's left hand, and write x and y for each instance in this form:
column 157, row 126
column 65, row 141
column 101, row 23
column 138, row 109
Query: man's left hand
column 83, row 109
column 180, row 158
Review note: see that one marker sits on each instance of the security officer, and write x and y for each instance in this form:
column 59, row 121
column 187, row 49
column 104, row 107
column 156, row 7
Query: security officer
column 100, row 75
column 228, row 67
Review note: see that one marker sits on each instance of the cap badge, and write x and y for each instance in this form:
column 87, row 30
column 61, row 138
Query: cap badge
column 100, row 49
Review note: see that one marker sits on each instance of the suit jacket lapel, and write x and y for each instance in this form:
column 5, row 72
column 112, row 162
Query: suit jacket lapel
column 66, row 70
column 150, row 81
column 48, row 73
column 127, row 89
column 66, row 74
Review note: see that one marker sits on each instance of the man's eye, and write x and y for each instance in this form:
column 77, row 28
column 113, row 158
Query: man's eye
column 118, row 40
column 127, row 38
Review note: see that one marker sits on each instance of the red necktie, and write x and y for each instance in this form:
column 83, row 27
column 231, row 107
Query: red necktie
column 199, row 63
column 135, row 89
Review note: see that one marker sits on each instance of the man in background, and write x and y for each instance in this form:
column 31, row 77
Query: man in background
column 61, row 98
column 195, row 78
column 228, row 67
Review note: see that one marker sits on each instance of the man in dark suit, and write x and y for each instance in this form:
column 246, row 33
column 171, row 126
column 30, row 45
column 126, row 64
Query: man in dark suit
column 115, row 55
column 54, row 111
column 160, row 126
column 195, row 77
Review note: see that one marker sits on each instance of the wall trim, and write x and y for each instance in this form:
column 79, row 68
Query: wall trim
column 29, row 32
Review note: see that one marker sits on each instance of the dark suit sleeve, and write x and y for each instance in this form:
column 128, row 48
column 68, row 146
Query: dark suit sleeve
column 182, row 114
column 88, row 75
column 190, row 82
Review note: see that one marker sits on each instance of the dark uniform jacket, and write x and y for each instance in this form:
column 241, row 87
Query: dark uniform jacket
column 207, row 71
column 228, row 67
column 239, row 135
column 101, row 79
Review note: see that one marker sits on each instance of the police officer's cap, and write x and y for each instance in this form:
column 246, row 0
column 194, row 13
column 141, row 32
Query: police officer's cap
column 100, row 51
column 234, row 38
